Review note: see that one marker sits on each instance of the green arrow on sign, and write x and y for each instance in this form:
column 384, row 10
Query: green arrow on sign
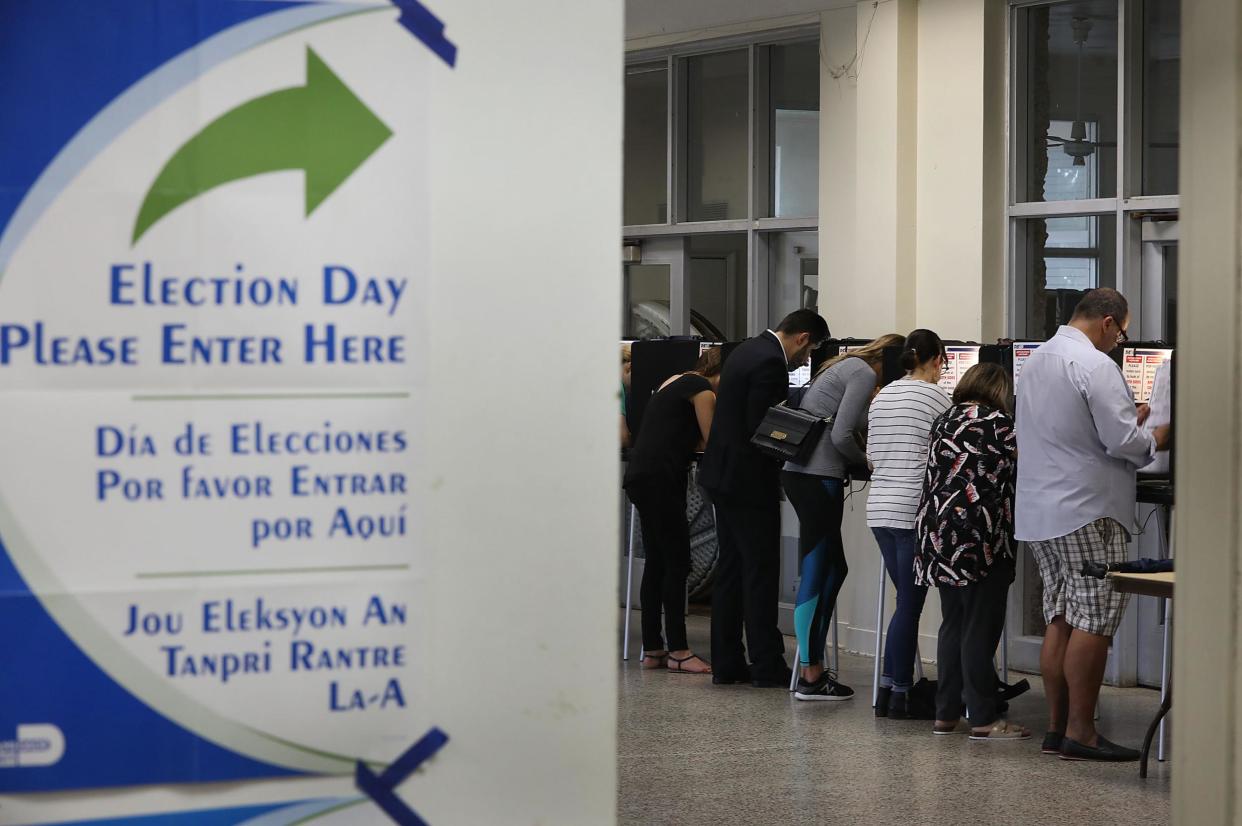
column 321, row 128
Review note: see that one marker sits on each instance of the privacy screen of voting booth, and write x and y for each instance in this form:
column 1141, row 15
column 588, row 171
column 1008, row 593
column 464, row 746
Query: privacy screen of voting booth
column 959, row 357
column 651, row 364
column 1139, row 365
column 830, row 349
column 1148, row 370
column 1139, row 362
column 1021, row 351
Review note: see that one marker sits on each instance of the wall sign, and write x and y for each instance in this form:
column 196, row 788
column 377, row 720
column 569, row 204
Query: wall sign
column 212, row 261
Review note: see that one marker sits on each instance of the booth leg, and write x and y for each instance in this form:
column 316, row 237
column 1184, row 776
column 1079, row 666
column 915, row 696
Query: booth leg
column 836, row 648
column 879, row 640
column 1164, row 674
column 1005, row 654
column 629, row 583
column 1166, row 656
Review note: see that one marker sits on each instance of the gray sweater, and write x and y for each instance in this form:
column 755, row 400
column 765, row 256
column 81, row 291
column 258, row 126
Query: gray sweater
column 844, row 392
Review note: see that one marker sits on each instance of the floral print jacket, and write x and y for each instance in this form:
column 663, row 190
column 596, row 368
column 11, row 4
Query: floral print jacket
column 965, row 517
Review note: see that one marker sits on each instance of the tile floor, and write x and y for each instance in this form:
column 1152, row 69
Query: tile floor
column 693, row 753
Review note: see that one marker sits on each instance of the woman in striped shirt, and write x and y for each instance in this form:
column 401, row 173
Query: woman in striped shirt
column 898, row 425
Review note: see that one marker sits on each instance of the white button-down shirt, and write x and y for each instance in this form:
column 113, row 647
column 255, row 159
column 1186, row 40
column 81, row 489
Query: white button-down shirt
column 1079, row 442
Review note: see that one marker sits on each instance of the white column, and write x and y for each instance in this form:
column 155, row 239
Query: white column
column 1207, row 735
column 878, row 295
column 525, row 277
column 838, row 94
column 960, row 182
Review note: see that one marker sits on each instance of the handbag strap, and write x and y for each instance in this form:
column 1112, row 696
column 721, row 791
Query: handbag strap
column 828, row 420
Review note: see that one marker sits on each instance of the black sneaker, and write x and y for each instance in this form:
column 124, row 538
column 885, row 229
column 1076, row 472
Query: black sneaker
column 1103, row 750
column 897, row 705
column 825, row 688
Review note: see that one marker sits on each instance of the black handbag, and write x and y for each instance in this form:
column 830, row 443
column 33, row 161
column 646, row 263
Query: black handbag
column 789, row 434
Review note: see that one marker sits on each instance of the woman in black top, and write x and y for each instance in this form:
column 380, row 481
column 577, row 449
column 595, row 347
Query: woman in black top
column 964, row 532
column 675, row 424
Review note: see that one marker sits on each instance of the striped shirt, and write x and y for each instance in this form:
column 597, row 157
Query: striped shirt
column 898, row 425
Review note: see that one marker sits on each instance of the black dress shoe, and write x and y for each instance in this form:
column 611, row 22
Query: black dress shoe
column 730, row 677
column 777, row 679
column 1052, row 742
column 1103, row 750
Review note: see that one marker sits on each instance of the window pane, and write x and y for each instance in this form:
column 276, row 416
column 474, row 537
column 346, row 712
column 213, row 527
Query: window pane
column 646, row 301
column 793, row 274
column 646, row 144
column 717, row 286
column 717, row 124
column 1062, row 258
column 1070, row 101
column 793, row 117
column 1162, row 61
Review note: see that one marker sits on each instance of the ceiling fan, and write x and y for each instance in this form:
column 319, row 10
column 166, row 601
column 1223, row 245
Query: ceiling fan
column 1076, row 145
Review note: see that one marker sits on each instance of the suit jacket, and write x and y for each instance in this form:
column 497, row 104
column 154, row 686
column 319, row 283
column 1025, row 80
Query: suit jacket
column 755, row 377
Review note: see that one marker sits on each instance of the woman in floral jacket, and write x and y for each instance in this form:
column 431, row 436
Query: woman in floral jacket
column 964, row 532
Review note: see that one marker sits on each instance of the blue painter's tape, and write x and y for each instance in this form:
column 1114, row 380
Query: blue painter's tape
column 428, row 28
column 381, row 788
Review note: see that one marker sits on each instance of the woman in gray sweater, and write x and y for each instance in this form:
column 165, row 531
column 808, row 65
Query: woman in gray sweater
column 841, row 391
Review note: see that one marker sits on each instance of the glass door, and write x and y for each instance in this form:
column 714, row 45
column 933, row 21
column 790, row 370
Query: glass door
column 652, row 302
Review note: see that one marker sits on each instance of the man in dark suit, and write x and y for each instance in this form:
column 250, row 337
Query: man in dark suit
column 744, row 486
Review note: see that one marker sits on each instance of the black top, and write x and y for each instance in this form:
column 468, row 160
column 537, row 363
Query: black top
column 755, row 377
column 670, row 433
column 965, row 519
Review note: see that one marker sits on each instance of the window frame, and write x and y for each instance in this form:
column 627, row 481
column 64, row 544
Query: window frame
column 1127, row 203
column 757, row 225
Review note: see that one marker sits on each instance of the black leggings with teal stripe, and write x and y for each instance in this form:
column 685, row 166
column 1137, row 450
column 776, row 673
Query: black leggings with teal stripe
column 820, row 504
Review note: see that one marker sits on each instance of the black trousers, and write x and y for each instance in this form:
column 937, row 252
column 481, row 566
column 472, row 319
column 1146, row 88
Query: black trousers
column 974, row 617
column 666, row 543
column 746, row 590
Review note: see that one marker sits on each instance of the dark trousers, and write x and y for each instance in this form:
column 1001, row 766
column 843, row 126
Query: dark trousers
column 974, row 617
column 666, row 545
column 746, row 590
column 897, row 546
column 819, row 502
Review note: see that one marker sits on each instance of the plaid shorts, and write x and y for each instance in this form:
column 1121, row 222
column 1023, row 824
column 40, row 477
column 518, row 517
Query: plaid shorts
column 1087, row 603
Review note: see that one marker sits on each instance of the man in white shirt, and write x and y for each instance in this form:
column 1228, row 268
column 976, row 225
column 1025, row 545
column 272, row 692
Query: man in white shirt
column 1079, row 446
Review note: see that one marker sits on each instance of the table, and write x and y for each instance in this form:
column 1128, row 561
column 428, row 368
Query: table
column 1149, row 585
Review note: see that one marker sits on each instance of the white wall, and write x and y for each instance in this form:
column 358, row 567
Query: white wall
column 950, row 158
column 1207, row 735
column 838, row 133
column 525, row 592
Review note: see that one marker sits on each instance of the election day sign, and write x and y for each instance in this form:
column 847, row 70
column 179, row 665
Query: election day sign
column 213, row 244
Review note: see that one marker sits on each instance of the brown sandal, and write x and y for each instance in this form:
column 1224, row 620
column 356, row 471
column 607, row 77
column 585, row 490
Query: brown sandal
column 1003, row 730
column 654, row 661
column 679, row 665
